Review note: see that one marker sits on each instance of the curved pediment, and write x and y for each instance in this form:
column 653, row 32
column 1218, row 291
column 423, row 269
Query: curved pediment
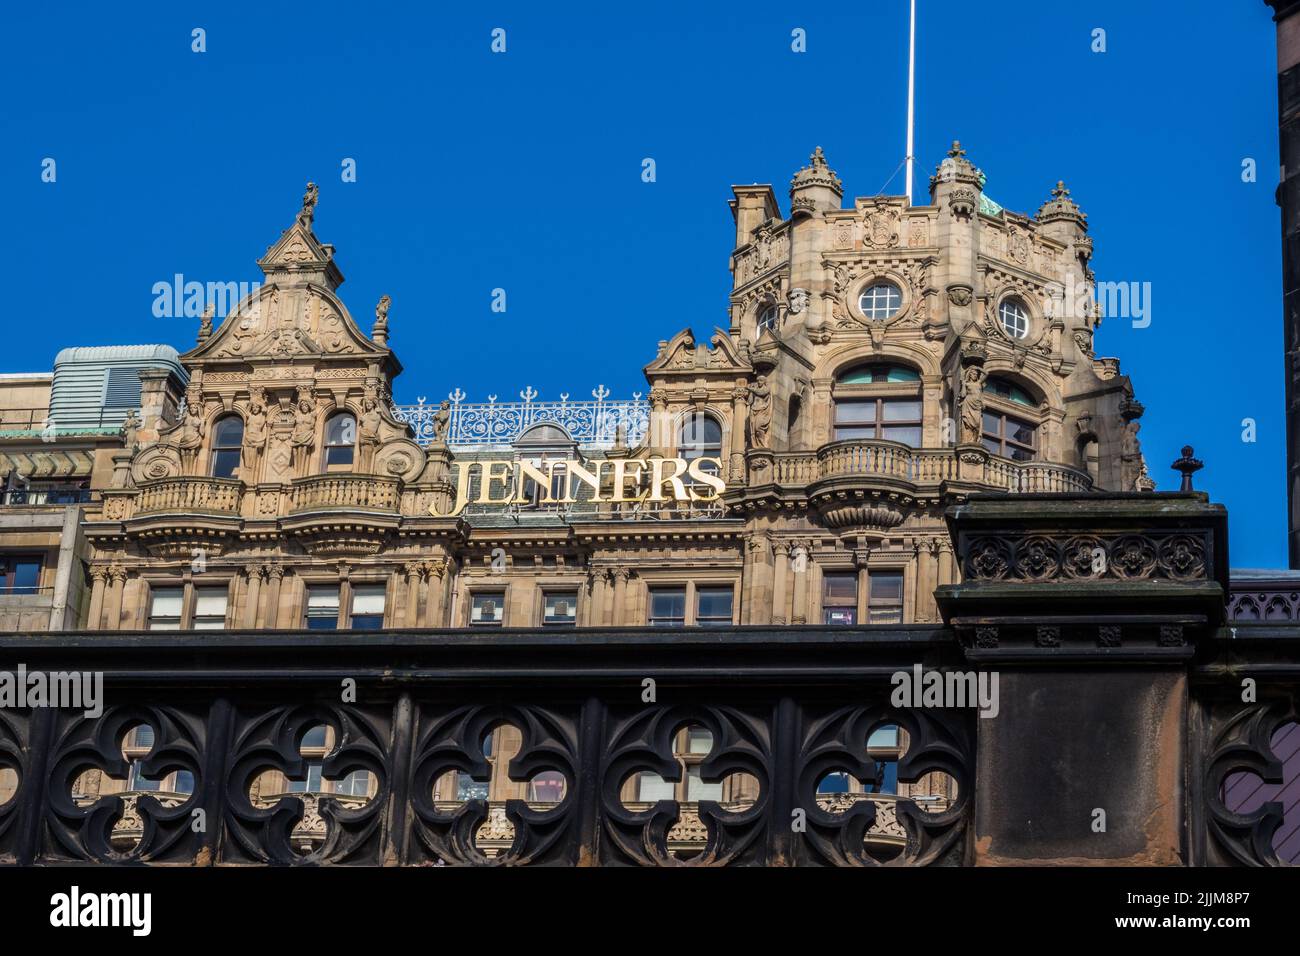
column 284, row 323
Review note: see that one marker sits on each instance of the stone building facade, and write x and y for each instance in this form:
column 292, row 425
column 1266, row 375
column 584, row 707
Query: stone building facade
column 881, row 363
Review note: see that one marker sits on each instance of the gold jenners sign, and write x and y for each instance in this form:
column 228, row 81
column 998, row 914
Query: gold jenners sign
column 610, row 480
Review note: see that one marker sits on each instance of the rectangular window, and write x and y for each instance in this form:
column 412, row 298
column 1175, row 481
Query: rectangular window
column 165, row 606
column 210, row 609
column 885, row 597
column 20, row 574
column 560, row 608
column 651, row 788
column 697, row 789
column 323, row 608
column 667, row 607
column 487, row 609
column 310, row 785
column 840, row 597
column 355, row 784
column 368, row 607
column 713, row 606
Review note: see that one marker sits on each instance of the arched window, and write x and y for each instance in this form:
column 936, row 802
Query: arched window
column 340, row 439
column 1006, row 433
column 767, row 319
column 700, row 436
column 879, row 401
column 227, row 437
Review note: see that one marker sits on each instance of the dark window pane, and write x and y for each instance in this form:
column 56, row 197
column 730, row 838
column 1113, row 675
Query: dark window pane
column 906, row 434
column 668, row 606
column 887, row 586
column 27, row 575
column 224, row 462
column 842, row 434
column 852, row 413
column 338, row 455
column 713, row 606
column 993, row 445
column 902, row 411
column 840, row 585
column 229, row 432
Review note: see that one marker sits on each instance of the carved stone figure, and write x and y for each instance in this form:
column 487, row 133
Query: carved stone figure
column 379, row 334
column 368, row 433
column 304, row 430
column 798, row 300
column 441, row 421
column 189, row 437
column 972, row 405
column 309, row 198
column 759, row 423
column 129, row 428
column 254, row 432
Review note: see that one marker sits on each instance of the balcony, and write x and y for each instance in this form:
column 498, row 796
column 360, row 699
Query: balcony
column 345, row 492
column 219, row 496
column 924, row 467
column 344, row 514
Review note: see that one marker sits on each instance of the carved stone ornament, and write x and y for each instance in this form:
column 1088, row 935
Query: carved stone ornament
column 960, row 295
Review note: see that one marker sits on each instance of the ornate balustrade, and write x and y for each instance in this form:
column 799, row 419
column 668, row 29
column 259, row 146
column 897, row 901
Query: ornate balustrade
column 475, row 425
column 923, row 466
column 362, row 492
column 190, row 494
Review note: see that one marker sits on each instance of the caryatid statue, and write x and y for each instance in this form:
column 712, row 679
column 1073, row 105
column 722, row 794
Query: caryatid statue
column 303, row 436
column 189, row 437
column 972, row 405
column 759, row 423
column 255, row 432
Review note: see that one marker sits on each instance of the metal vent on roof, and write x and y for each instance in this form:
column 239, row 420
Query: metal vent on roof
column 123, row 388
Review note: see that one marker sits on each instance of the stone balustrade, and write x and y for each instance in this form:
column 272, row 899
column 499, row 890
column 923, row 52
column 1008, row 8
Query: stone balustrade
column 365, row 492
column 188, row 494
column 923, row 466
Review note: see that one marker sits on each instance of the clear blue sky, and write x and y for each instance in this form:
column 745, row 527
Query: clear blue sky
column 522, row 171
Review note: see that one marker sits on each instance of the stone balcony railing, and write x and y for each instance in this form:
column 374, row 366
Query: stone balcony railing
column 360, row 492
column 190, row 494
column 924, row 466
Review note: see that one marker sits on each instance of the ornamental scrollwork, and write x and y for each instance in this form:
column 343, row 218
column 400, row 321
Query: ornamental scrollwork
column 1034, row 557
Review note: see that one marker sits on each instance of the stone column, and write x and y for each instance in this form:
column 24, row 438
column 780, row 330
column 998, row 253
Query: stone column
column 739, row 415
column 607, row 599
column 274, row 576
column 436, row 572
column 414, row 571
column 782, row 552
column 619, row 610
column 946, row 563
column 926, row 573
column 98, row 578
column 801, row 555
column 118, row 575
column 253, row 594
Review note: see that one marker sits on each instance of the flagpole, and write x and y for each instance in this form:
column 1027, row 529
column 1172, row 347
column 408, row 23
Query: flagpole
column 911, row 95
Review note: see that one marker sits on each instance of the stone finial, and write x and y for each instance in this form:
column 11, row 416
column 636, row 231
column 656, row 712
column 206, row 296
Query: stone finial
column 308, row 211
column 205, row 324
column 1061, row 208
column 1188, row 466
column 956, row 168
column 816, row 173
column 379, row 334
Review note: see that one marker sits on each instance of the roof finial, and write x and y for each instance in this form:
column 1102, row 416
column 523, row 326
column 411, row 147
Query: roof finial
column 1060, row 192
column 308, row 212
column 1188, row 466
column 956, row 152
column 379, row 334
